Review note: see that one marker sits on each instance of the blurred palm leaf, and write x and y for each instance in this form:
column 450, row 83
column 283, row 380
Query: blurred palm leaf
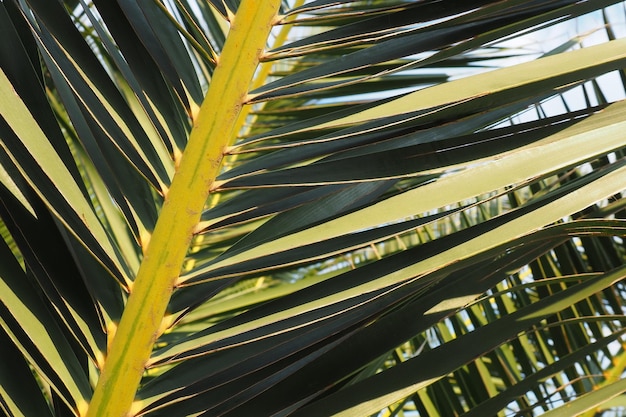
column 419, row 210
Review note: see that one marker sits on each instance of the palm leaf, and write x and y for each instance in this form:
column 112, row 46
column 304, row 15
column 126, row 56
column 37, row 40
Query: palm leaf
column 311, row 208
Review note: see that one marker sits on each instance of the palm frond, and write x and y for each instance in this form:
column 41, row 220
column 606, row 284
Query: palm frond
column 393, row 207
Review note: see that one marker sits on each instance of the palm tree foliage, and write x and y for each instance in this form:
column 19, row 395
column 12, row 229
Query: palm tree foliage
column 418, row 210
